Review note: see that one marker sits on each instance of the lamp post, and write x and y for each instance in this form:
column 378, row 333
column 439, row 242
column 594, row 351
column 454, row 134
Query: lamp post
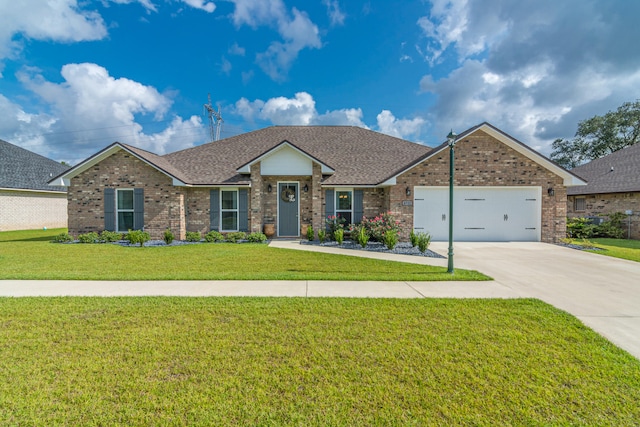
column 451, row 140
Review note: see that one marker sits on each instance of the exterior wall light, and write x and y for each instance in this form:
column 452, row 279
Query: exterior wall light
column 551, row 192
column 269, row 188
column 408, row 191
column 305, row 188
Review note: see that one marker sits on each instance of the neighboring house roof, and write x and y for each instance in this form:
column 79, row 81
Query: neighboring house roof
column 22, row 169
column 618, row 172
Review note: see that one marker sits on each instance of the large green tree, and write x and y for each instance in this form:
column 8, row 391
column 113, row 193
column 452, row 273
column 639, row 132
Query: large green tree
column 600, row 135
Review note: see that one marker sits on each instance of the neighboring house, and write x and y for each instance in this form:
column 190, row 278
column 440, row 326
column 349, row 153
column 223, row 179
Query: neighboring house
column 26, row 200
column 613, row 186
column 296, row 176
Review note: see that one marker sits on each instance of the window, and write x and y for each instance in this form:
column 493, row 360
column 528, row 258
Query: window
column 579, row 204
column 344, row 205
column 124, row 210
column 229, row 210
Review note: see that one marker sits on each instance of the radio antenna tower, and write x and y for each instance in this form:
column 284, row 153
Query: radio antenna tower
column 215, row 119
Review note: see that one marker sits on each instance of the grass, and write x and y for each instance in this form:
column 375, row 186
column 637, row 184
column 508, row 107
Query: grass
column 311, row 362
column 617, row 248
column 30, row 255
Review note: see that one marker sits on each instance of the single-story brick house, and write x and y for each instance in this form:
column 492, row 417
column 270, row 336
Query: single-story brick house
column 613, row 186
column 26, row 200
column 296, row 176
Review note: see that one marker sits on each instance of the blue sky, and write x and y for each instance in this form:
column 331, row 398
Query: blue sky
column 78, row 75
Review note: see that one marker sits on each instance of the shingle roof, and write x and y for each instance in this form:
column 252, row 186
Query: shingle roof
column 358, row 156
column 618, row 172
column 24, row 169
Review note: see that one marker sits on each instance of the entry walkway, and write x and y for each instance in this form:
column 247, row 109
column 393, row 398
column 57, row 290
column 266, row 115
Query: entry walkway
column 602, row 292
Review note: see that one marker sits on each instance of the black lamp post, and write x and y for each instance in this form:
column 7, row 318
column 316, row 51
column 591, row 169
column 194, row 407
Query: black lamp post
column 451, row 140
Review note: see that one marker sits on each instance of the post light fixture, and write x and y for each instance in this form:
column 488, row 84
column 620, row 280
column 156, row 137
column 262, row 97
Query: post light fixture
column 551, row 192
column 408, row 191
column 306, row 188
column 269, row 188
column 451, row 141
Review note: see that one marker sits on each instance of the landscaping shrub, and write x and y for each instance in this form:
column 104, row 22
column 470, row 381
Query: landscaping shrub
column 110, row 236
column 193, row 236
column 413, row 238
column 235, row 236
column 91, row 237
column 380, row 225
column 423, row 240
column 338, row 235
column 582, row 228
column 137, row 236
column 322, row 235
column 360, row 234
column 335, row 223
column 257, row 238
column 390, row 239
column 168, row 236
column 310, row 233
column 213, row 236
column 62, row 238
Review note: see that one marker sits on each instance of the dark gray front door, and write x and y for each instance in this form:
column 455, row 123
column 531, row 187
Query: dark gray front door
column 288, row 209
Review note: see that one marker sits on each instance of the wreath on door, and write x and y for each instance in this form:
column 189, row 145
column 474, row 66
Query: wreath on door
column 288, row 195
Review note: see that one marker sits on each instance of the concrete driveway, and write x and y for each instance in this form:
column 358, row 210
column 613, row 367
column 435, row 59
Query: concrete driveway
column 603, row 292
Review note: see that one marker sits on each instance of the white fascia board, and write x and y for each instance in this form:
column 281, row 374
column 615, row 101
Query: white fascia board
column 326, row 170
column 29, row 190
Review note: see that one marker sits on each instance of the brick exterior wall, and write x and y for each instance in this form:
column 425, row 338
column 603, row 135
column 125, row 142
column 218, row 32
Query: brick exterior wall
column 604, row 204
column 481, row 160
column 29, row 210
column 164, row 204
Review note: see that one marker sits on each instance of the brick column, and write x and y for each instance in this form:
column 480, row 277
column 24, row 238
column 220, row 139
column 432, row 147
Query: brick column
column 255, row 208
column 316, row 198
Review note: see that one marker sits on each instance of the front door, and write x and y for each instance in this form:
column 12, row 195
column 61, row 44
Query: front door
column 288, row 224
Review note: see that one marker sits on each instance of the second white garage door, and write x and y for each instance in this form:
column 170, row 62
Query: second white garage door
column 489, row 214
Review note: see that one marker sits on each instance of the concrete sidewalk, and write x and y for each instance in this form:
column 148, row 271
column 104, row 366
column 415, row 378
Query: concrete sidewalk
column 603, row 292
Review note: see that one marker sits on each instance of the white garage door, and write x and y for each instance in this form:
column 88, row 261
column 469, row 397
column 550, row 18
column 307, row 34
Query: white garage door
column 480, row 214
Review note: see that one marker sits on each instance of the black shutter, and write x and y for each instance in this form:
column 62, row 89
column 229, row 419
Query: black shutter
column 109, row 195
column 358, row 208
column 138, row 208
column 243, row 210
column 214, row 210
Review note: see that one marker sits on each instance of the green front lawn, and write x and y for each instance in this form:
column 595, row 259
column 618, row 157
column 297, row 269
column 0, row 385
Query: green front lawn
column 617, row 248
column 307, row 362
column 30, row 255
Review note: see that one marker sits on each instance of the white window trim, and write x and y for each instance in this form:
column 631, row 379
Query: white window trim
column 118, row 210
column 584, row 204
column 236, row 210
column 335, row 201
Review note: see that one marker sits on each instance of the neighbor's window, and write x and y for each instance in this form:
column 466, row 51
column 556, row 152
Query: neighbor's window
column 124, row 210
column 579, row 204
column 229, row 210
column 344, row 205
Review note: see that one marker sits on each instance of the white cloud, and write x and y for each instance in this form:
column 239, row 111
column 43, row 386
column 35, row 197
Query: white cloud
column 336, row 16
column 401, row 128
column 147, row 4
column 27, row 130
column 235, row 49
column 297, row 31
column 207, row 6
column 523, row 68
column 301, row 110
column 61, row 20
column 93, row 109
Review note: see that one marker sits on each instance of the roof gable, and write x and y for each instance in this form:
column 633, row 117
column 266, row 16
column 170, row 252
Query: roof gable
column 153, row 160
column 569, row 178
column 283, row 150
column 25, row 170
column 618, row 172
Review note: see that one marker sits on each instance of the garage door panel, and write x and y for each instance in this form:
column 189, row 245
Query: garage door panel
column 480, row 214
